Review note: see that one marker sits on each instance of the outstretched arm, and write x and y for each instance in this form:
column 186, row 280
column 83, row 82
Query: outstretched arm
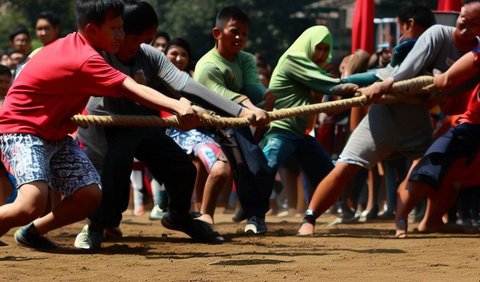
column 461, row 71
column 156, row 100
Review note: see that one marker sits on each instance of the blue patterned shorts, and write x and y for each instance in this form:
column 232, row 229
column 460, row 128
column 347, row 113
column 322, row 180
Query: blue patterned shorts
column 61, row 164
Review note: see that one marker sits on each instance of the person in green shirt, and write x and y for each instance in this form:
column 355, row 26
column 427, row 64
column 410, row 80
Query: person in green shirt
column 232, row 73
column 299, row 72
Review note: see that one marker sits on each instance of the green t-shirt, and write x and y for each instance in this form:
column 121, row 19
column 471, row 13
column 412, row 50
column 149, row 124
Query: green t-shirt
column 296, row 75
column 233, row 80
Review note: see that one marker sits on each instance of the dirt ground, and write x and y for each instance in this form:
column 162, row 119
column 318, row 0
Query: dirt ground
column 355, row 252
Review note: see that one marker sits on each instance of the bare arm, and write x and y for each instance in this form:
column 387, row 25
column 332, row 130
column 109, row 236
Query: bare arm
column 461, row 71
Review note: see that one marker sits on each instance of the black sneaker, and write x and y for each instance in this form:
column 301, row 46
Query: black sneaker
column 28, row 236
column 200, row 231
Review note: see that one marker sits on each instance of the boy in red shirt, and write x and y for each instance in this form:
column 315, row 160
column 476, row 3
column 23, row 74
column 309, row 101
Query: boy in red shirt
column 35, row 122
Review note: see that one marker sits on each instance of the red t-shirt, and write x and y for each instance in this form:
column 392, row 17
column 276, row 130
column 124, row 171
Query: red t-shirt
column 54, row 85
column 472, row 114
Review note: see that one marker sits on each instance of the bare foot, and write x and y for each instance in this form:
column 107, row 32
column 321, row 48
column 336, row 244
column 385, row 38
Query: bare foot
column 446, row 228
column 307, row 229
column 206, row 218
column 401, row 229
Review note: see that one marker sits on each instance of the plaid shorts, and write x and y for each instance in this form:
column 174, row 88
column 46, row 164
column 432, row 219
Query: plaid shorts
column 61, row 164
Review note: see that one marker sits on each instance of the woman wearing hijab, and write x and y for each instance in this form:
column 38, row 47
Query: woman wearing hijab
column 298, row 73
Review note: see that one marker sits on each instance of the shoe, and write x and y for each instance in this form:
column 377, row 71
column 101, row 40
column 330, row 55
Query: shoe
column 198, row 230
column 88, row 239
column 256, row 225
column 387, row 215
column 139, row 210
column 343, row 211
column 156, row 213
column 28, row 236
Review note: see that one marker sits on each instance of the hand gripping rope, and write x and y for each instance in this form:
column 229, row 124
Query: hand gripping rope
column 413, row 91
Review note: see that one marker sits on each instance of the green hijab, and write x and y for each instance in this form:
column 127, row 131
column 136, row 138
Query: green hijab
column 302, row 49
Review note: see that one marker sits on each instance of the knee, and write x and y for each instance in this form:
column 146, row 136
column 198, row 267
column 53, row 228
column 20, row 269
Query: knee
column 27, row 214
column 89, row 197
column 221, row 171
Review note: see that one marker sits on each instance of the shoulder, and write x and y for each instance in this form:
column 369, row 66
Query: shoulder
column 438, row 30
column 151, row 51
column 246, row 57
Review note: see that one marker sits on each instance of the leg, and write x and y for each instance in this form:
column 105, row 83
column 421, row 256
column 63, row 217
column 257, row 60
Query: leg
column 328, row 191
column 6, row 188
column 29, row 204
column 71, row 209
column 200, row 183
column 136, row 178
column 220, row 178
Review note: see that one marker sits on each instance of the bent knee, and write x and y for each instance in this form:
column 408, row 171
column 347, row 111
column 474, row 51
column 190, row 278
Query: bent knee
column 89, row 196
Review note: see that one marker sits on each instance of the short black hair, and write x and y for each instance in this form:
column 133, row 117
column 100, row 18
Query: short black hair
column 50, row 16
column 230, row 13
column 162, row 34
column 138, row 16
column 469, row 1
column 180, row 42
column 4, row 70
column 19, row 29
column 95, row 11
column 422, row 16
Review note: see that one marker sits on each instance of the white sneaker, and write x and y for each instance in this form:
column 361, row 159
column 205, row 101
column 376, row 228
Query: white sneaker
column 156, row 213
column 256, row 225
column 88, row 239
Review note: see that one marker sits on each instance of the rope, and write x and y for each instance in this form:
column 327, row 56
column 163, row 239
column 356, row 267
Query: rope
column 403, row 91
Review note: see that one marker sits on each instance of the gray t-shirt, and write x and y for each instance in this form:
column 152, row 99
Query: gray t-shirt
column 152, row 68
column 393, row 128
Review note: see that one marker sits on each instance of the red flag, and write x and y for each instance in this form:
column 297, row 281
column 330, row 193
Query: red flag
column 449, row 5
column 362, row 26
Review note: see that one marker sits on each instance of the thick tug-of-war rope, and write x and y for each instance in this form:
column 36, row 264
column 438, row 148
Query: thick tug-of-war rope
column 402, row 92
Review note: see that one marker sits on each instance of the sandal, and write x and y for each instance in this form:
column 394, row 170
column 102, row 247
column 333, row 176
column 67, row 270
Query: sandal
column 401, row 229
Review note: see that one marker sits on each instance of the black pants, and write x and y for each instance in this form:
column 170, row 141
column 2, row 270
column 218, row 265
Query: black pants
column 163, row 157
column 253, row 177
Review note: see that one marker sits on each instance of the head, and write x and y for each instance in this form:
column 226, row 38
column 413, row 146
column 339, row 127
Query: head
column 100, row 22
column 5, row 80
column 140, row 23
column 231, row 31
column 16, row 58
column 178, row 51
column 414, row 20
column 468, row 22
column 161, row 40
column 5, row 59
column 47, row 27
column 20, row 39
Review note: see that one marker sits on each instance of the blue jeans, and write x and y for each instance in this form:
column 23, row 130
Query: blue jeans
column 279, row 145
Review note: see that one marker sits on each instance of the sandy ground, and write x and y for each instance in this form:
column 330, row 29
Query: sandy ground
column 355, row 252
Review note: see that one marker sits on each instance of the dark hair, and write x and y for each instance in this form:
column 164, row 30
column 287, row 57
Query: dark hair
column 162, row 34
column 230, row 13
column 180, row 42
column 422, row 16
column 138, row 16
column 4, row 70
column 19, row 29
column 469, row 1
column 50, row 16
column 95, row 11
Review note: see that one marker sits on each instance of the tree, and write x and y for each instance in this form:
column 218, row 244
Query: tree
column 273, row 28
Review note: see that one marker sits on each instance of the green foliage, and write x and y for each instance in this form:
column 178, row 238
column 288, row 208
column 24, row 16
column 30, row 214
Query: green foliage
column 272, row 29
column 273, row 26
column 25, row 12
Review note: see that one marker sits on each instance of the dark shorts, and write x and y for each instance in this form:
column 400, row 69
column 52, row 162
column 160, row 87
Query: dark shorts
column 459, row 142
